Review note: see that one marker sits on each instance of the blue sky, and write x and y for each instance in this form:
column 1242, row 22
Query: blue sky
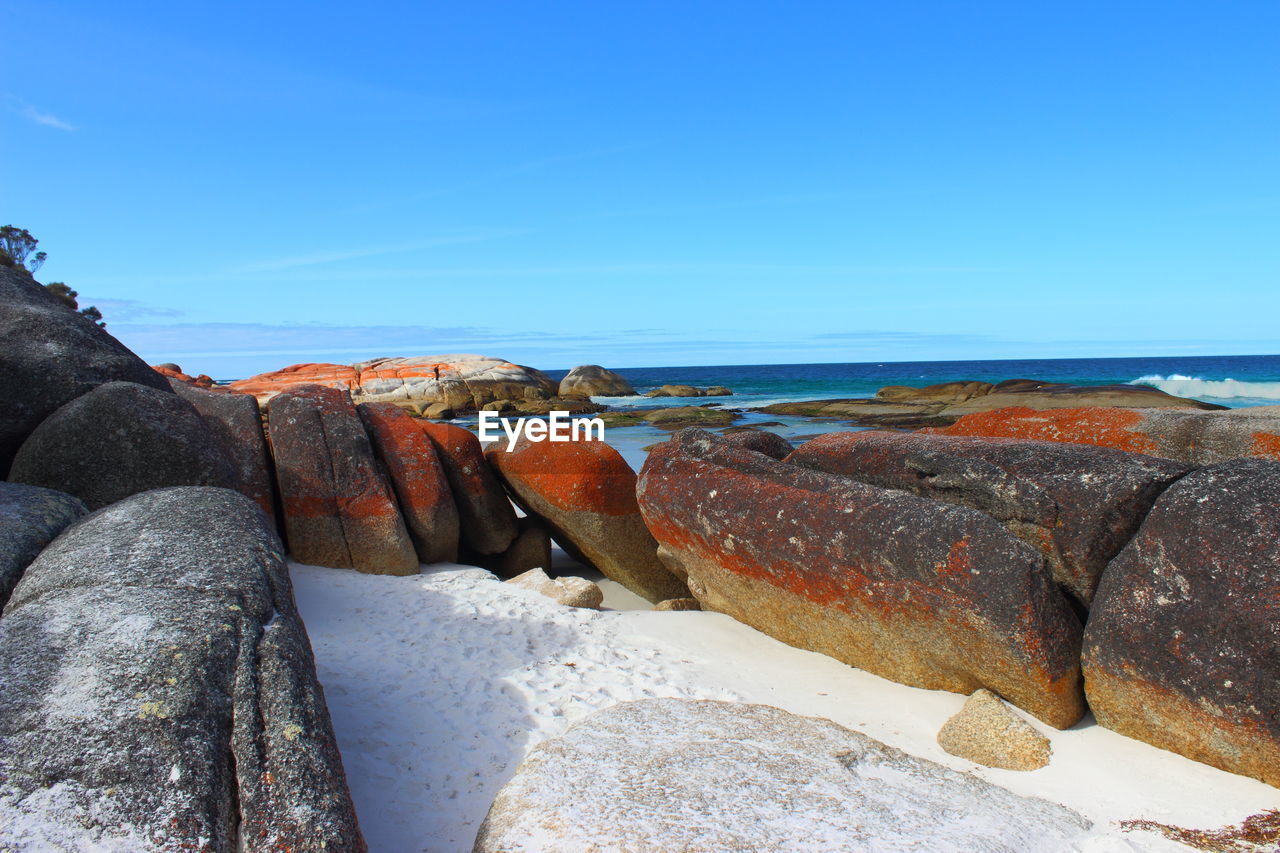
column 244, row 186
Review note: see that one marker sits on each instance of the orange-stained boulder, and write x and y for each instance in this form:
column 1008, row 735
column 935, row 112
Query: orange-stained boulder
column 585, row 492
column 1077, row 504
column 930, row 594
column 172, row 371
column 1182, row 649
column 1193, row 437
column 418, row 479
column 485, row 514
column 339, row 510
column 462, row 382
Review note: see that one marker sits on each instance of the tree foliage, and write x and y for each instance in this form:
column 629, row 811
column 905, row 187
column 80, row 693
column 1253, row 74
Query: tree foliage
column 18, row 249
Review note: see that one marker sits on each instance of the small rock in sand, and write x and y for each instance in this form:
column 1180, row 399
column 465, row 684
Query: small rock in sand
column 988, row 732
column 678, row 604
column 569, row 591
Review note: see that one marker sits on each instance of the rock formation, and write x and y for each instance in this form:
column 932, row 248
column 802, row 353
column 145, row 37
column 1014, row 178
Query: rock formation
column 30, row 517
column 592, row 380
column 689, row 391
column 761, row 441
column 488, row 523
column 1182, row 648
column 918, row 591
column 119, row 439
column 1079, row 505
column 158, row 678
column 585, row 493
column 659, row 775
column 52, row 355
column 339, row 510
column 986, row 731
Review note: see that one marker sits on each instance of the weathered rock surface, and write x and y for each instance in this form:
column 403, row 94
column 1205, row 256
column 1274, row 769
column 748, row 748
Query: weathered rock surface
column 941, row 405
column 30, row 518
column 702, row 777
column 1182, row 648
column 1078, row 505
column 585, row 493
column 119, row 439
column 49, row 355
column 677, row 417
column 986, row 731
column 569, row 590
column 1193, row 437
column 678, row 604
column 488, row 522
column 237, row 422
column 592, row 380
column 761, row 441
column 339, row 510
column 689, row 391
column 174, row 374
column 157, row 677
column 418, row 478
column 922, row 592
column 462, row 382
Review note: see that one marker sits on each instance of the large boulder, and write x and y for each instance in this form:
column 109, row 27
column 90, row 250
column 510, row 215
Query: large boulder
column 1193, row 437
column 922, row 592
column 237, row 422
column 485, row 514
column 585, row 492
column 159, row 691
column 761, row 441
column 119, row 439
column 462, row 382
column 944, row 392
column 30, row 518
column 339, row 510
column 418, row 478
column 1077, row 504
column 592, row 380
column 1182, row 649
column 49, row 355
column 689, row 391
column 659, row 775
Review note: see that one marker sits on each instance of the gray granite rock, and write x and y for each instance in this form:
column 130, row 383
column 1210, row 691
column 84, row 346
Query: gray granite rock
column 30, row 517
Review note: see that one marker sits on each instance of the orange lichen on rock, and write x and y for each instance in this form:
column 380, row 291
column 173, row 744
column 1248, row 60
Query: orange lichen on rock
column 1266, row 445
column 583, row 476
column 1106, row 427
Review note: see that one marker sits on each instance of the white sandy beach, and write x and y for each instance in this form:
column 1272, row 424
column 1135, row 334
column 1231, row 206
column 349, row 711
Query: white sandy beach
column 439, row 685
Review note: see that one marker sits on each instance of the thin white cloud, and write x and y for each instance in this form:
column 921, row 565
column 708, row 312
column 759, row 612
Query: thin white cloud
column 30, row 113
column 334, row 256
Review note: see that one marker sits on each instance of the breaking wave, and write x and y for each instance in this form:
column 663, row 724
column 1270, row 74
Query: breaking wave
column 1219, row 389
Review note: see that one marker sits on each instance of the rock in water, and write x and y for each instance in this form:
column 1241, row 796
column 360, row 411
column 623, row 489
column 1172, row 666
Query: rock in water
column 464, row 382
column 925, row 593
column 585, row 492
column 418, row 478
column 119, row 439
column 1077, row 504
column 1192, row 437
column 159, row 684
column 339, row 510
column 30, row 517
column 701, row 777
column 487, row 520
column 49, row 355
column 237, row 422
column 761, row 441
column 570, row 591
column 1182, row 648
column 592, row 380
column 986, row 731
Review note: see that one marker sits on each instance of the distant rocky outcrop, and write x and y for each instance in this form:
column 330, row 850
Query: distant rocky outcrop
column 918, row 591
column 339, row 509
column 1182, row 648
column 1078, row 505
column 689, row 391
column 51, row 356
column 660, row 775
column 418, row 478
column 459, row 382
column 940, row 405
column 677, row 417
column 173, row 372
column 1192, row 437
column 160, row 691
column 30, row 518
column 585, row 493
column 119, row 439
column 592, row 380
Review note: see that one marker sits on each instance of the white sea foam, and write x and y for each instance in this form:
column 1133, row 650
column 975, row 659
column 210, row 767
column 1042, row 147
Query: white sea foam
column 1221, row 389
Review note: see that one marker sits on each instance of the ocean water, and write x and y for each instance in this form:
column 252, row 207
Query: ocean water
column 1241, row 380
